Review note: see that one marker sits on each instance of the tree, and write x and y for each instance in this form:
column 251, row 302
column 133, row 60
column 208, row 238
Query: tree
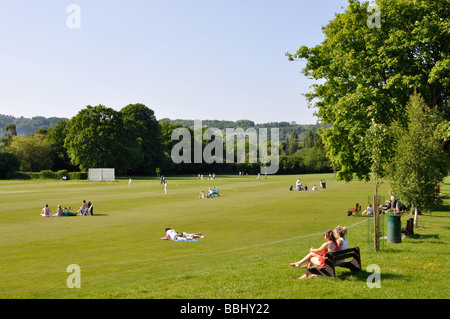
column 56, row 136
column 96, row 137
column 311, row 139
column 369, row 73
column 10, row 132
column 143, row 128
column 33, row 152
column 293, row 143
column 315, row 159
column 9, row 163
column 420, row 161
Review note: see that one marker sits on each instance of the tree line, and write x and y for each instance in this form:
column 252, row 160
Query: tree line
column 134, row 142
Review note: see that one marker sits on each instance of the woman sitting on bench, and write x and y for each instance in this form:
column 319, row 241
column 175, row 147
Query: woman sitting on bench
column 317, row 257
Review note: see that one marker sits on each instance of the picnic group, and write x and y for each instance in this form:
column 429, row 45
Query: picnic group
column 85, row 209
column 300, row 187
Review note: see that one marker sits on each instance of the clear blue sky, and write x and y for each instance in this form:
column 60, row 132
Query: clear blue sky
column 188, row 59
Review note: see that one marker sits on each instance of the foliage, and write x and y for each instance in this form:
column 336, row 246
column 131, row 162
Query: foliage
column 148, row 144
column 420, row 161
column 56, row 136
column 96, row 138
column 10, row 132
column 293, row 143
column 142, row 127
column 9, row 163
column 47, row 173
column 369, row 73
column 33, row 152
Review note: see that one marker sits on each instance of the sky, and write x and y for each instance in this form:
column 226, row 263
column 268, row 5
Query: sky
column 184, row 59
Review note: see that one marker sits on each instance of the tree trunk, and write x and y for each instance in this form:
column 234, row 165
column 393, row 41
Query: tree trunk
column 416, row 211
column 376, row 219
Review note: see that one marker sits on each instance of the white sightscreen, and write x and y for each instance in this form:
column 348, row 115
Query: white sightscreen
column 101, row 174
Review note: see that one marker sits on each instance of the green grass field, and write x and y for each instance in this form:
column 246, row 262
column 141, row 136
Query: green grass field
column 253, row 231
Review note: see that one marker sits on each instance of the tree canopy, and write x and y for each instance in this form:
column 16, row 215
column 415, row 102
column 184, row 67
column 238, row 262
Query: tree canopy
column 368, row 73
column 96, row 138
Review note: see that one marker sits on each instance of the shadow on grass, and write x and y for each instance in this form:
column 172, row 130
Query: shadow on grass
column 429, row 238
column 363, row 276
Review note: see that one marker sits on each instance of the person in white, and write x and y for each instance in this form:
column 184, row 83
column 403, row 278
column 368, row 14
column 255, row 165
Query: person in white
column 339, row 234
column 369, row 210
column 165, row 188
column 174, row 235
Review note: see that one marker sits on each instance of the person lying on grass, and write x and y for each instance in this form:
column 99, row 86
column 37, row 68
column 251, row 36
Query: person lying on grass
column 174, row 235
column 316, row 257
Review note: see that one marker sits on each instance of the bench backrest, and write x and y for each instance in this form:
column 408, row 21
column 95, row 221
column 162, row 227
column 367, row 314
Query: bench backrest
column 344, row 254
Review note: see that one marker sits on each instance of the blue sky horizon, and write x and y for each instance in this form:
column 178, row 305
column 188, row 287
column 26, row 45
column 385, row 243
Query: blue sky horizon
column 192, row 59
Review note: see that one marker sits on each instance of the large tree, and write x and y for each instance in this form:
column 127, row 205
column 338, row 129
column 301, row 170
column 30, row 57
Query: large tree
column 96, row 137
column 144, row 130
column 366, row 73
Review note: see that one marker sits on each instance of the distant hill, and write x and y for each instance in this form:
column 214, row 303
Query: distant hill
column 28, row 125
column 286, row 128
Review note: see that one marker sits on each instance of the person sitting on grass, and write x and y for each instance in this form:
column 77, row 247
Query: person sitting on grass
column 59, row 211
column 46, row 212
column 317, row 257
column 174, row 235
column 84, row 208
column 369, row 210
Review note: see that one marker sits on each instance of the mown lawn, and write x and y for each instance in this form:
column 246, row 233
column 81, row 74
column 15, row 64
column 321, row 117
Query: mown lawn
column 253, row 231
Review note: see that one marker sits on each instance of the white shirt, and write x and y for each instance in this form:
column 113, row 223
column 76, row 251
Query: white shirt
column 344, row 244
column 171, row 233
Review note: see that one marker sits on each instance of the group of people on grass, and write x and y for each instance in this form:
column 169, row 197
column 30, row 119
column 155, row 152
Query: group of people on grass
column 211, row 193
column 210, row 177
column 397, row 208
column 86, row 208
column 335, row 241
column 300, row 187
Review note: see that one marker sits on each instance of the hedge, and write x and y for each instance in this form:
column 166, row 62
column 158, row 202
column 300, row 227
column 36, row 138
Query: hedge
column 48, row 174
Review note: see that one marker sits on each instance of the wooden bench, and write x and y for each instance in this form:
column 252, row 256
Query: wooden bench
column 409, row 229
column 337, row 258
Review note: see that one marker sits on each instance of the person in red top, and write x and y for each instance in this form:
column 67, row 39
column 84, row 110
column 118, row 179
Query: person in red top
column 317, row 257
